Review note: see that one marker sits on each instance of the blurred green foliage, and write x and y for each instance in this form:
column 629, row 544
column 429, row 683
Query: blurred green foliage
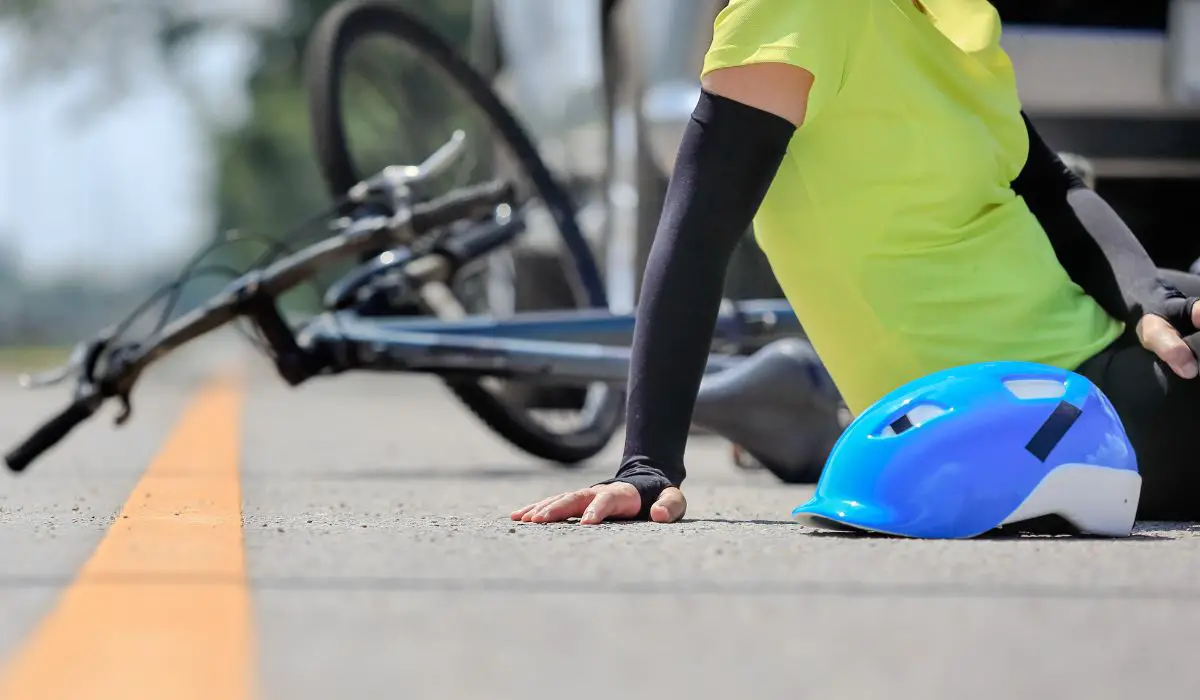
column 268, row 176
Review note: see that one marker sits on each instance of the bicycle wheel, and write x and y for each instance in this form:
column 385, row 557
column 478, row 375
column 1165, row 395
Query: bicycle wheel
column 502, row 406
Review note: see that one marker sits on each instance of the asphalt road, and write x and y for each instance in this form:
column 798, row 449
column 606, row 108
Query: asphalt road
column 379, row 562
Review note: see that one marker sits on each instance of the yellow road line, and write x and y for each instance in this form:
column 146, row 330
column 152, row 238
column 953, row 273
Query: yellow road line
column 161, row 611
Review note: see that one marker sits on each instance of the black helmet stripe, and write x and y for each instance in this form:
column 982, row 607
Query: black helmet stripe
column 1052, row 431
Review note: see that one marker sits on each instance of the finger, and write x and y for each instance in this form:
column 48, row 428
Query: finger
column 519, row 514
column 1161, row 339
column 1175, row 354
column 536, row 513
column 1195, row 313
column 670, row 506
column 568, row 505
column 612, row 501
column 542, row 507
column 602, row 506
column 1158, row 336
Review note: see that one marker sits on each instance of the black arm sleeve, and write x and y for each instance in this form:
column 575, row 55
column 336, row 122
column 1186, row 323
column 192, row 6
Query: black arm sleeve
column 728, row 157
column 1093, row 244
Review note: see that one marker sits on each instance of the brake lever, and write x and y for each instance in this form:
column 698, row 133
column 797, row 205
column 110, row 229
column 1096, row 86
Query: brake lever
column 80, row 364
column 395, row 180
column 441, row 159
column 49, row 377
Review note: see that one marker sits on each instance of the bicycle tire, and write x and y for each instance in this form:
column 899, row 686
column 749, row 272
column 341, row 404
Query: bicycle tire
column 335, row 34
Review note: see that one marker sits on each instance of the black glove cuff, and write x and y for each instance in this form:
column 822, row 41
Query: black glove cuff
column 648, row 481
column 1176, row 308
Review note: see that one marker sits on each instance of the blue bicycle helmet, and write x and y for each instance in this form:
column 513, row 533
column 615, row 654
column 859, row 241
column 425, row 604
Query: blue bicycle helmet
column 971, row 449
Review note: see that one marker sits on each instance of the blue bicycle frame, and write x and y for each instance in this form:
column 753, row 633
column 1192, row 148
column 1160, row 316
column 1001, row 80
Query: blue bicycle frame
column 562, row 347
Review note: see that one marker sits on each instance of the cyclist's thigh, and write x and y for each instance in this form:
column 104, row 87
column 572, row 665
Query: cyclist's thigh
column 1160, row 411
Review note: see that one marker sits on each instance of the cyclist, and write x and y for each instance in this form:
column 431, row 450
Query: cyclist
column 915, row 221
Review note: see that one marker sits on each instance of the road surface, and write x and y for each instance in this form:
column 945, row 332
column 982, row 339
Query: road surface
column 349, row 539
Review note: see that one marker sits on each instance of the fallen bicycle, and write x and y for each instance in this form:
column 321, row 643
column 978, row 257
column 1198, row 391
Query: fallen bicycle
column 402, row 308
column 745, row 398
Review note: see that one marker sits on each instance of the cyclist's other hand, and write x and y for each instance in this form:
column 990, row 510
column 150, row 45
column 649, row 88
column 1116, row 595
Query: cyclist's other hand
column 1161, row 338
column 594, row 505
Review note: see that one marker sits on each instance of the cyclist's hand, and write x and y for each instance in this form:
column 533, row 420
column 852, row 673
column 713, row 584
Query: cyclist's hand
column 596, row 504
column 1160, row 337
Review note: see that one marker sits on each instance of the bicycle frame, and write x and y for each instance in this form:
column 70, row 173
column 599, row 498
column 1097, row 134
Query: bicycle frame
column 564, row 347
column 585, row 347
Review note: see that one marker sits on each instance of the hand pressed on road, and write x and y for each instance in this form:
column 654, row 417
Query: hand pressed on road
column 596, row 504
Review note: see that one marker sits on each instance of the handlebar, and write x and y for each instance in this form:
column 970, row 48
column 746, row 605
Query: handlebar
column 252, row 294
column 465, row 203
column 52, row 431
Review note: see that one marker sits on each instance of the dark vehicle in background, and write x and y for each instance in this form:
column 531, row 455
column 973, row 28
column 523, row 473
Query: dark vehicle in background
column 608, row 85
column 1119, row 83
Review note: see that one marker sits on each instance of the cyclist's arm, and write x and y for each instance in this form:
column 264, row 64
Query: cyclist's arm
column 771, row 66
column 1094, row 245
column 731, row 149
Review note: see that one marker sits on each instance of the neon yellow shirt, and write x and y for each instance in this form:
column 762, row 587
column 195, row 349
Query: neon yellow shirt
column 892, row 226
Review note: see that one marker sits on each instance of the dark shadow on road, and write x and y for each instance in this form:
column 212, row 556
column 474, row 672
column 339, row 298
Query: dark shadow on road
column 574, row 522
column 446, row 473
column 579, row 476
column 724, row 521
column 1142, row 532
column 998, row 537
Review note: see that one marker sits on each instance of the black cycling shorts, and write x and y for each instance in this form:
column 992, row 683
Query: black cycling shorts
column 1161, row 413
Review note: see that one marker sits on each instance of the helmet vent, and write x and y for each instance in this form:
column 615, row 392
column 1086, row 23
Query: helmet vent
column 1030, row 388
column 914, row 417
